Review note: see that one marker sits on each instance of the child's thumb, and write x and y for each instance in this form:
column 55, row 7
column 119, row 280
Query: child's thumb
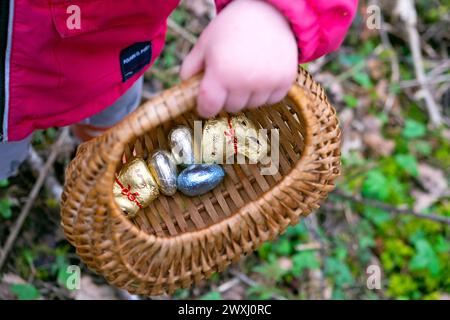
column 193, row 62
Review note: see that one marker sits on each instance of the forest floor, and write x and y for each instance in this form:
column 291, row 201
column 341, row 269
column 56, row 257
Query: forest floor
column 390, row 209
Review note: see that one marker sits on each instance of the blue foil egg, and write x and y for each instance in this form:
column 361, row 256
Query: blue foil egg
column 198, row 179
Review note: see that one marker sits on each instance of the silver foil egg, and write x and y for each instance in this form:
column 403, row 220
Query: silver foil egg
column 164, row 170
column 182, row 147
column 198, row 179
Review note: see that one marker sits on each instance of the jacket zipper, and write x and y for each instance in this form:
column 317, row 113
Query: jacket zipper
column 4, row 21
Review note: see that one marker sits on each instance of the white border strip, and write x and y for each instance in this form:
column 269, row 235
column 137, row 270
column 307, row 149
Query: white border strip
column 8, row 69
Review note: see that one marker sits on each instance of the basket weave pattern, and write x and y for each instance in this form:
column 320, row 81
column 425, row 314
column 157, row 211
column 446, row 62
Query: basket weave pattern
column 180, row 240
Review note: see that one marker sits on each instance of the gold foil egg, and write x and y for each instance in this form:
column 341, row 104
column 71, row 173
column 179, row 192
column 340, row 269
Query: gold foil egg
column 164, row 170
column 237, row 135
column 214, row 141
column 248, row 140
column 181, row 144
column 134, row 187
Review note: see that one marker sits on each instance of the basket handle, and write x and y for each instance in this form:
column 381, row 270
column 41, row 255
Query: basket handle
column 172, row 103
column 177, row 100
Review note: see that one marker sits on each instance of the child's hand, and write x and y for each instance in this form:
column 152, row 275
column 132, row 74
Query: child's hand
column 249, row 55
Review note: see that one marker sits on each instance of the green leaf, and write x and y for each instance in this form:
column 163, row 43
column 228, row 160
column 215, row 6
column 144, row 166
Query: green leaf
column 408, row 163
column 51, row 133
column 349, row 60
column 299, row 230
column 261, row 292
column 396, row 253
column 350, row 101
column 383, row 118
column 363, row 80
column 375, row 185
column 214, row 295
column 4, row 183
column 376, row 215
column 265, row 250
column 283, row 247
column 5, row 208
column 341, row 252
column 271, row 270
column 339, row 271
column 425, row 258
column 304, row 260
column 395, row 88
column 401, row 285
column 366, row 242
column 398, row 191
column 28, row 256
column 413, row 129
column 25, row 291
column 442, row 245
column 423, row 147
column 63, row 275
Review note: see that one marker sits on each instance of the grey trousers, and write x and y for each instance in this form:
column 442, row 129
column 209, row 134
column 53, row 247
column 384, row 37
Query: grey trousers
column 12, row 154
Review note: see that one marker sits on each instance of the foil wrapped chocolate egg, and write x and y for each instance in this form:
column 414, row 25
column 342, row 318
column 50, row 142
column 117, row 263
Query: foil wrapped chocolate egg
column 237, row 135
column 181, row 144
column 164, row 170
column 134, row 187
column 214, row 141
column 248, row 141
column 198, row 179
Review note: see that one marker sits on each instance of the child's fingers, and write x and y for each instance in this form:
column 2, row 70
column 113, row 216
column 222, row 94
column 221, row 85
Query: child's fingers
column 277, row 96
column 236, row 101
column 211, row 97
column 258, row 99
column 193, row 63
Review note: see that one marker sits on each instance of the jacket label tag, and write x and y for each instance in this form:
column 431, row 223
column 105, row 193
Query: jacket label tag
column 134, row 58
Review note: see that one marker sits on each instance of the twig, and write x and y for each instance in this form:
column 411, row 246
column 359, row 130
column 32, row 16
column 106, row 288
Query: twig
column 243, row 278
column 176, row 28
column 125, row 295
column 390, row 208
column 359, row 65
column 395, row 67
column 312, row 246
column 228, row 285
column 51, row 183
column 317, row 65
column 317, row 277
column 407, row 12
column 414, row 83
column 251, row 283
column 33, row 195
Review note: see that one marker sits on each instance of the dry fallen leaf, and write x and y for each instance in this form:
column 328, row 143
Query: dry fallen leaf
column 285, row 263
column 376, row 68
column 433, row 180
column 379, row 144
column 373, row 138
column 435, row 185
column 7, row 280
column 332, row 85
column 423, row 200
column 91, row 291
column 382, row 90
column 11, row 278
column 201, row 7
column 371, row 123
column 236, row 292
column 444, row 296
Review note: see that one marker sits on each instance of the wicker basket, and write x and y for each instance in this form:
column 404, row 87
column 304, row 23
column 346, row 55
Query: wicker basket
column 180, row 240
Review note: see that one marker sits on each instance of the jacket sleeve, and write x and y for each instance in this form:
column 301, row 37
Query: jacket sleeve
column 319, row 26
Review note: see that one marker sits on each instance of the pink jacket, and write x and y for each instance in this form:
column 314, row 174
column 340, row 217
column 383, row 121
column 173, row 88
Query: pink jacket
column 62, row 61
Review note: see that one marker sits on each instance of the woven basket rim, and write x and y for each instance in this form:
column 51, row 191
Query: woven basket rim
column 309, row 121
column 133, row 255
